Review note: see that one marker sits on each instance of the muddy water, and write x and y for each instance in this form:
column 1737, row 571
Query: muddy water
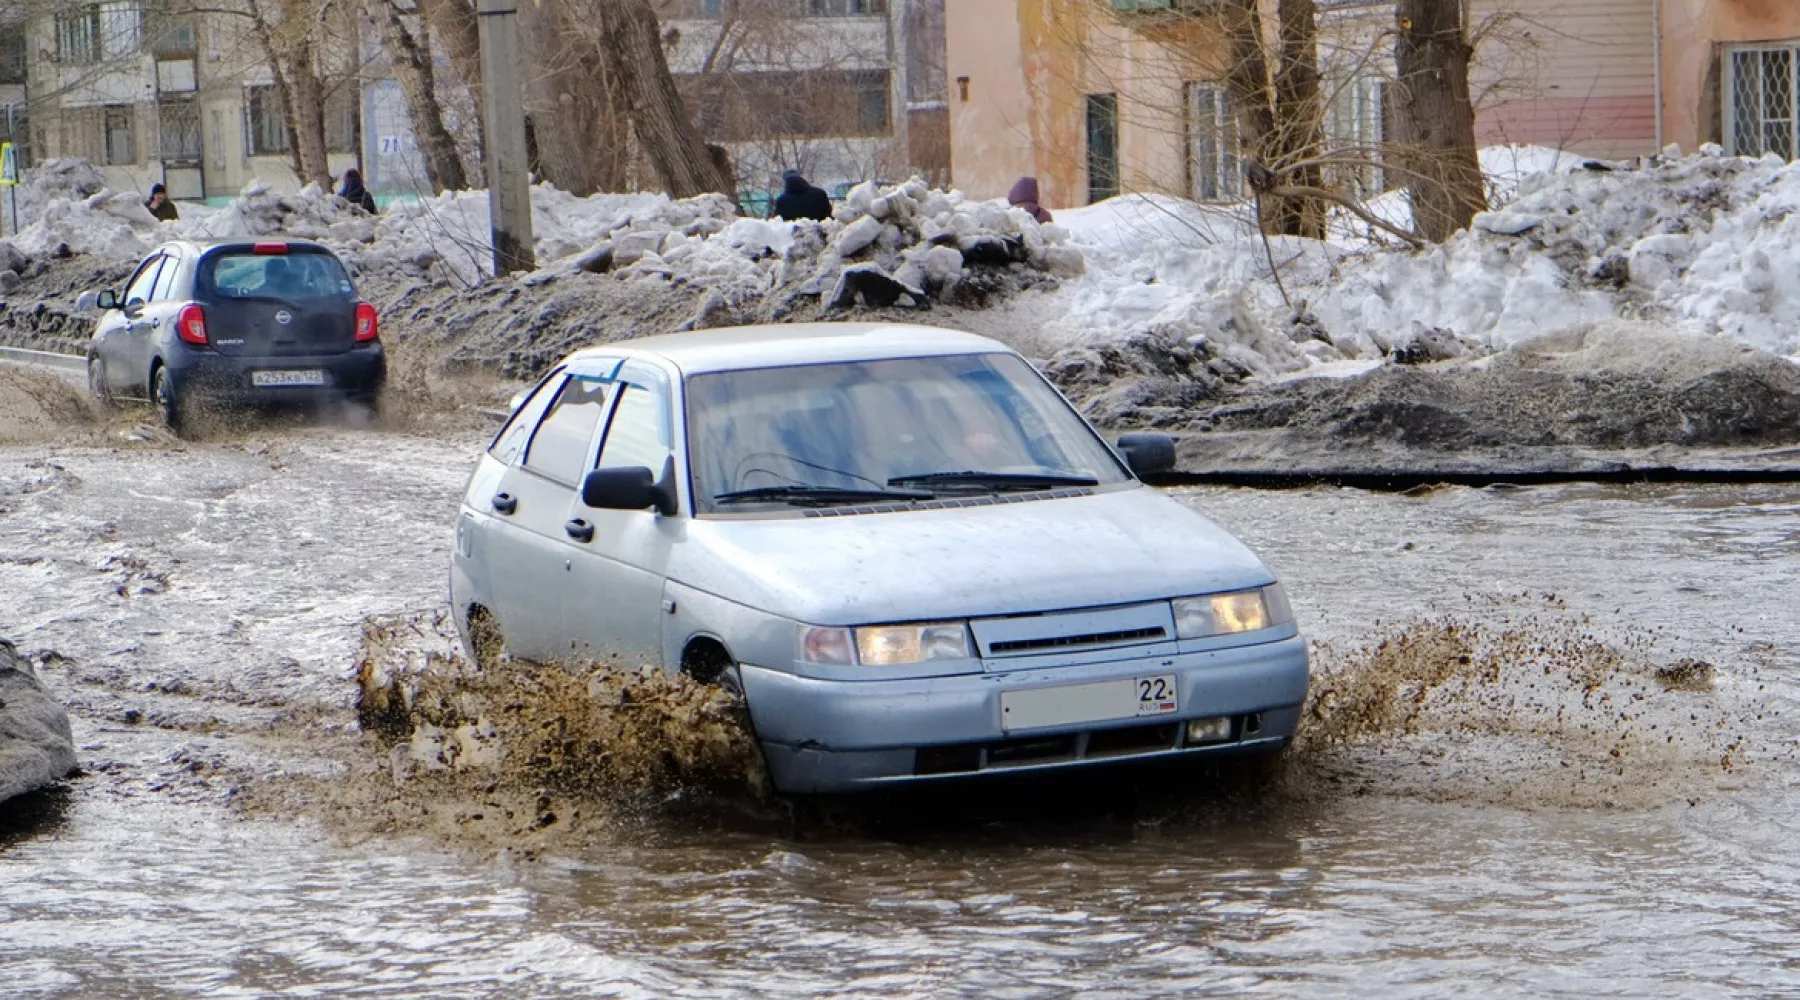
column 201, row 607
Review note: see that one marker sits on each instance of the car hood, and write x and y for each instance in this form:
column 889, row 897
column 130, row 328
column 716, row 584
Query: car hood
column 1111, row 547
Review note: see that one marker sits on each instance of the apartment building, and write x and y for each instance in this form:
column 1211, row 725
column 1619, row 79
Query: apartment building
column 152, row 96
column 1128, row 94
column 842, row 90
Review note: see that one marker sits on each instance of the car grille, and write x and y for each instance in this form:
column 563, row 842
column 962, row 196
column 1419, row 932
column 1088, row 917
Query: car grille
column 1074, row 631
column 1118, row 638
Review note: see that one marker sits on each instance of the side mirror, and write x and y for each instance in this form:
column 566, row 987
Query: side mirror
column 518, row 400
column 1148, row 454
column 631, row 489
column 103, row 299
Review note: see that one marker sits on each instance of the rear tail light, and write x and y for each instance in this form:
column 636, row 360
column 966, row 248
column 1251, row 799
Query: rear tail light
column 190, row 325
column 270, row 248
column 367, row 328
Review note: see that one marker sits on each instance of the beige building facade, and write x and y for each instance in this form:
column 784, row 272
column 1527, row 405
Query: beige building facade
column 1093, row 96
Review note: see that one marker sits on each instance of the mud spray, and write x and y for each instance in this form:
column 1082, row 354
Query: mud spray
column 1516, row 703
column 1519, row 702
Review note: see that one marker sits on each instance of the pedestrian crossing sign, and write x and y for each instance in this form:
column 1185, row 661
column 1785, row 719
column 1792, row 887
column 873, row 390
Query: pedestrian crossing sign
column 9, row 164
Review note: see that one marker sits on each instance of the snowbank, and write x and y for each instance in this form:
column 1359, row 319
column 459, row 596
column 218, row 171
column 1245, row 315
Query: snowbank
column 1704, row 244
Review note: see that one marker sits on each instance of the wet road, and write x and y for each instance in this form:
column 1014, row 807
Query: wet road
column 204, row 600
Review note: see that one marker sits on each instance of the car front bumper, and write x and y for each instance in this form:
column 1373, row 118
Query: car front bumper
column 358, row 372
column 841, row 736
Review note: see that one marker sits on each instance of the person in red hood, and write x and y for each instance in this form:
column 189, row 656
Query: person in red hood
column 1024, row 194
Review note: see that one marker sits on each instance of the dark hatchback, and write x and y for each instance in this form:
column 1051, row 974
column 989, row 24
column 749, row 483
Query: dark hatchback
column 272, row 321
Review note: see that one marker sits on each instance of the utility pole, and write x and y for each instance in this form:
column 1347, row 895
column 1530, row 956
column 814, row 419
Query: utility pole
column 508, row 180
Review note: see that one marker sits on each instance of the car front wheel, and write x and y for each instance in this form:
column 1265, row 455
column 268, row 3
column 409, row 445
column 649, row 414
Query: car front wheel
column 98, row 386
column 167, row 400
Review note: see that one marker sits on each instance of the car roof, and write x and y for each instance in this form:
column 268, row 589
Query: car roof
column 203, row 244
column 774, row 345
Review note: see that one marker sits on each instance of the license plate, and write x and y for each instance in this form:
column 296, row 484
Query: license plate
column 293, row 376
column 1101, row 701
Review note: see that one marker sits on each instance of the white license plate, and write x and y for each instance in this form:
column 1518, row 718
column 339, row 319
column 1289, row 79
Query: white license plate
column 292, row 376
column 1101, row 701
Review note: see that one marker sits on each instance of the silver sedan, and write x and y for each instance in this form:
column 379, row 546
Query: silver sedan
column 913, row 557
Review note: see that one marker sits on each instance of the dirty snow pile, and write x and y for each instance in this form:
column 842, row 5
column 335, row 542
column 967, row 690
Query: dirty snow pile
column 895, row 245
column 1706, row 244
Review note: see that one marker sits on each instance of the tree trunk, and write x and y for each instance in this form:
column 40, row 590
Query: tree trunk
column 632, row 43
column 306, row 114
column 1435, row 117
column 1248, row 78
column 552, row 78
column 454, row 23
column 411, row 59
column 1299, row 120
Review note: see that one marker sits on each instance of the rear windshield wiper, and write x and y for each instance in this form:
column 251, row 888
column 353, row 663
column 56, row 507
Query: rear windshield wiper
column 803, row 494
column 995, row 480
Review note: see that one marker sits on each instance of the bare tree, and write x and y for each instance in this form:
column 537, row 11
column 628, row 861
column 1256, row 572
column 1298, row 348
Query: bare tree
column 631, row 41
column 290, row 41
column 409, row 55
column 1437, row 119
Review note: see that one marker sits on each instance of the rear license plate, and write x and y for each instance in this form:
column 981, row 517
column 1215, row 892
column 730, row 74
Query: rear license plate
column 1101, row 701
column 292, row 376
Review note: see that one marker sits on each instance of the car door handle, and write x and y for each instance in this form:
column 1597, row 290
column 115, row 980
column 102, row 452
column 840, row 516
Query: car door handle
column 579, row 529
column 504, row 503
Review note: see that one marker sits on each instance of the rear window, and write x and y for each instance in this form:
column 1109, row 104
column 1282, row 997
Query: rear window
column 289, row 277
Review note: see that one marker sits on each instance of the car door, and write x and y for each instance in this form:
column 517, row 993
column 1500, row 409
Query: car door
column 115, row 336
column 166, row 299
column 529, row 558
column 613, row 605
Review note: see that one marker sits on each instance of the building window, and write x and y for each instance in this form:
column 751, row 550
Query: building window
column 120, row 149
column 1760, row 101
column 100, row 31
column 845, row 8
column 12, row 54
column 1102, row 146
column 267, row 126
column 267, row 122
column 180, row 119
column 342, row 122
column 1356, row 127
column 1213, row 171
column 815, row 104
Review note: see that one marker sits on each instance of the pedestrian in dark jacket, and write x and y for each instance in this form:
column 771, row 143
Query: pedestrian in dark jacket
column 354, row 192
column 1024, row 194
column 160, row 205
column 800, row 200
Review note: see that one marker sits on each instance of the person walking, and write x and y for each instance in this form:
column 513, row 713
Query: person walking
column 1024, row 194
column 800, row 200
column 354, row 192
column 159, row 204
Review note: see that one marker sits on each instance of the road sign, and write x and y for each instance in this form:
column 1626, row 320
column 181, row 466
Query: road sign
column 9, row 164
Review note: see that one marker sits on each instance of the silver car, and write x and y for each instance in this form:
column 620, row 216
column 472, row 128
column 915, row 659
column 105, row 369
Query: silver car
column 910, row 554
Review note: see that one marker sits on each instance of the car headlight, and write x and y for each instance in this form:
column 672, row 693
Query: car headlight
column 1227, row 614
column 886, row 645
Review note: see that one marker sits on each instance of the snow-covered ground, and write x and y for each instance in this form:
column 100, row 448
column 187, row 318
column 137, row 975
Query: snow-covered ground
column 1703, row 244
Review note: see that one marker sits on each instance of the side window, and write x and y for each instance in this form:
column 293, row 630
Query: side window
column 165, row 282
column 143, row 281
column 559, row 447
column 509, row 444
column 639, row 434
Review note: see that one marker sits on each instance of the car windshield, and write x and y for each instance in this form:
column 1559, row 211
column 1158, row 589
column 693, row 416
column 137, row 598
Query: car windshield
column 904, row 429
column 289, row 277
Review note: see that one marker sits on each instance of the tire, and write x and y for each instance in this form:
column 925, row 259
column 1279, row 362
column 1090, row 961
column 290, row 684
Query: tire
column 98, row 388
column 166, row 399
column 486, row 644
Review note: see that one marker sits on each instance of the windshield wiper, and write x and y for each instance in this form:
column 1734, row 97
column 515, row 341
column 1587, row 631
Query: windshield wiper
column 995, row 480
column 798, row 493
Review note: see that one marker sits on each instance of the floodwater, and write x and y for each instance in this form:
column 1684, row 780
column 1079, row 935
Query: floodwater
column 201, row 608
